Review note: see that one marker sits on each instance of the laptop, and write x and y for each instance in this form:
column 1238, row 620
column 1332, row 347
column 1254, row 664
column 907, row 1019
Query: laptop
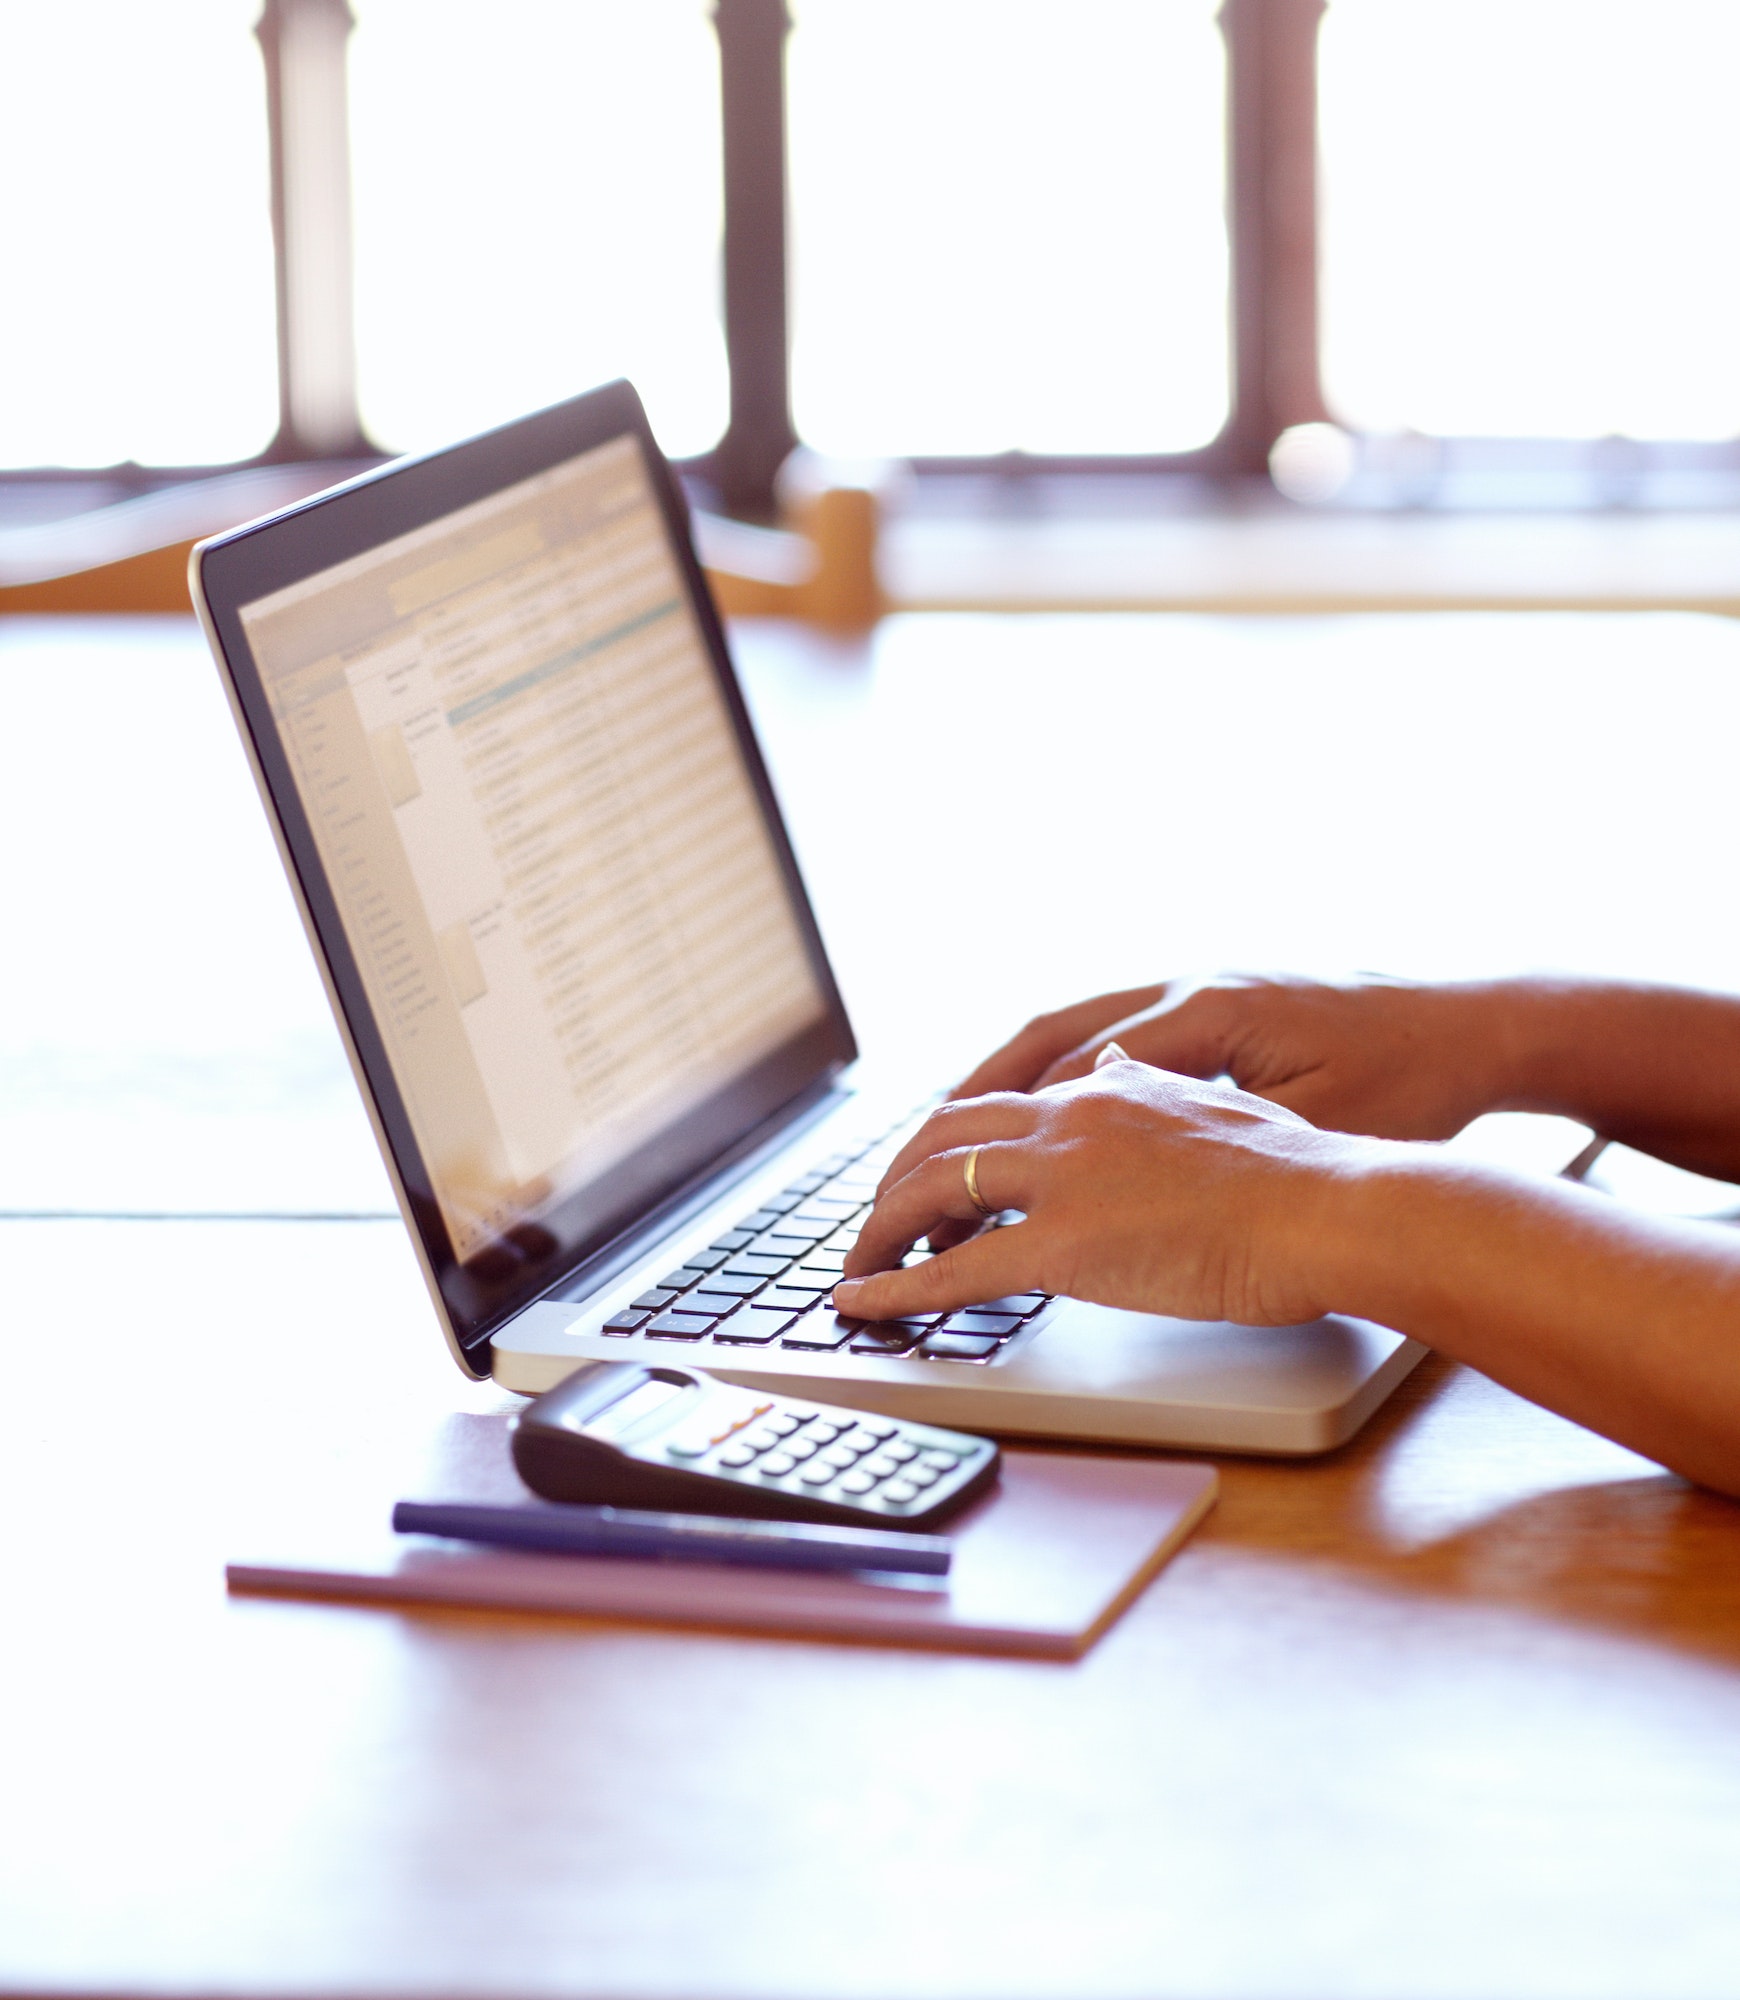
column 494, row 722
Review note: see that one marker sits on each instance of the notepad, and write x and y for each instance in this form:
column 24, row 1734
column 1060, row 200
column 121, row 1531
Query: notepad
column 1043, row 1565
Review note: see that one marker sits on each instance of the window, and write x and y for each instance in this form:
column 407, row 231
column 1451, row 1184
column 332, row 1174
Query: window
column 537, row 193
column 980, row 233
column 1528, row 209
column 1008, row 225
column 136, row 235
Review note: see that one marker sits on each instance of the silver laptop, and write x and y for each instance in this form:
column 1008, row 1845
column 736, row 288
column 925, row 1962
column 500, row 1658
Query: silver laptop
column 495, row 725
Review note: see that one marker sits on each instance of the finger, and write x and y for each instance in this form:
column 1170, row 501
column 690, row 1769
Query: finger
column 1022, row 1060
column 971, row 1122
column 1192, row 1037
column 990, row 1266
column 1110, row 1053
column 936, row 1192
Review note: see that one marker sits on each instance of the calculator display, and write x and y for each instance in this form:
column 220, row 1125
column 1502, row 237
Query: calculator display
column 620, row 1417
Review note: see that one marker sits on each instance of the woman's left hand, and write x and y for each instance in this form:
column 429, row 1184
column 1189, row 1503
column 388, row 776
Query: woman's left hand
column 1138, row 1188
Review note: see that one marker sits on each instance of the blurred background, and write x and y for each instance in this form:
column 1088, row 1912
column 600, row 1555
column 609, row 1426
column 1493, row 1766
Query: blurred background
column 1092, row 277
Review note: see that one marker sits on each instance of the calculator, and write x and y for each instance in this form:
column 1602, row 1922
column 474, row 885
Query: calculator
column 619, row 1434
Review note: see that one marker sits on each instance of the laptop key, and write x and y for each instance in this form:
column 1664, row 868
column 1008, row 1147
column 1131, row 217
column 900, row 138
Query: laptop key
column 825, row 1330
column 998, row 1325
column 747, row 1264
column 1021, row 1304
column 680, row 1326
column 738, row 1283
column 793, row 1298
column 888, row 1337
column 714, row 1304
column 762, row 1218
column 783, row 1204
column 622, row 1323
column 752, row 1327
column 809, row 1281
column 652, row 1301
column 681, row 1279
column 705, row 1260
column 955, row 1347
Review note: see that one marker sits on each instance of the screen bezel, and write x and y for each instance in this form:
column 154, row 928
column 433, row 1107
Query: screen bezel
column 250, row 563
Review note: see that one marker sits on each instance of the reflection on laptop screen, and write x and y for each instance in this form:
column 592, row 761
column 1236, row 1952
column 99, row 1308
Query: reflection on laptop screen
column 550, row 859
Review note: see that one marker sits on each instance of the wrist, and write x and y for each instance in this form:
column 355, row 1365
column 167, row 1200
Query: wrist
column 1334, row 1217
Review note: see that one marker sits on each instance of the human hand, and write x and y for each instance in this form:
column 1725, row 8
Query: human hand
column 1380, row 1056
column 1138, row 1189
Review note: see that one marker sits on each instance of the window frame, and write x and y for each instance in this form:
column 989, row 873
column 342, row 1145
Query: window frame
column 1274, row 376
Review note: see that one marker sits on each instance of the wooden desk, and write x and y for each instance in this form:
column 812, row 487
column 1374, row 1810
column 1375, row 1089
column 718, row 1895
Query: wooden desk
column 1454, row 1712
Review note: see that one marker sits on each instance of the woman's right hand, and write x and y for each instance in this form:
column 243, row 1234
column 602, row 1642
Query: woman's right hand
column 1385, row 1057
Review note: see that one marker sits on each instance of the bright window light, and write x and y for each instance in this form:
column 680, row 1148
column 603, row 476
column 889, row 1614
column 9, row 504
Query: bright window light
column 538, row 209
column 136, row 236
column 1008, row 225
column 1529, row 211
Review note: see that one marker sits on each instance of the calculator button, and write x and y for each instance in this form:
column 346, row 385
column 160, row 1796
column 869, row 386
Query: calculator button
column 900, row 1451
column 825, row 1432
column 1000, row 1325
column 856, row 1482
column 840, row 1457
column 802, row 1447
column 802, row 1411
column 922, row 1475
column 625, row 1322
column 776, row 1465
column 877, row 1429
column 763, row 1438
column 817, row 1474
column 860, row 1441
column 739, row 1454
column 945, row 1461
column 880, row 1467
column 688, row 1448
column 899, row 1491
column 957, row 1347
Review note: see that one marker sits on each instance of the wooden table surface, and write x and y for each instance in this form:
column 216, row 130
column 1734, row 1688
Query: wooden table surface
column 1453, row 1712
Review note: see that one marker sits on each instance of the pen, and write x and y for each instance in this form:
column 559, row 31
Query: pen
column 709, row 1538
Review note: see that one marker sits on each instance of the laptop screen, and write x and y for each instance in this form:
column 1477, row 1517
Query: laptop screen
column 553, row 866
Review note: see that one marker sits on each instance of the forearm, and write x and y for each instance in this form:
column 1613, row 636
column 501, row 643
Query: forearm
column 1657, row 1067
column 1623, row 1322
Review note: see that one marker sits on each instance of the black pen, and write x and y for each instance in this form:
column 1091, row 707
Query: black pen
column 707, row 1538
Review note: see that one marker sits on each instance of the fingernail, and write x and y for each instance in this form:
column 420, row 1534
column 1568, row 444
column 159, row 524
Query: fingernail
column 847, row 1290
column 1110, row 1053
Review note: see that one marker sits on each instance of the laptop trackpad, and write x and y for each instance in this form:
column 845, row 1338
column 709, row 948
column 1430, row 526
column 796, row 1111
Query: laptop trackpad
column 1258, row 1388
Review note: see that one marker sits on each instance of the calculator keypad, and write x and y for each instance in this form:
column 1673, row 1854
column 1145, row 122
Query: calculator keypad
column 866, row 1463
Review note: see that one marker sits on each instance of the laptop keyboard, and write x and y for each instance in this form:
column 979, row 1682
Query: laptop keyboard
column 766, row 1282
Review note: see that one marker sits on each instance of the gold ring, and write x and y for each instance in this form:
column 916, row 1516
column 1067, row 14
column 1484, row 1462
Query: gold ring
column 971, row 1174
